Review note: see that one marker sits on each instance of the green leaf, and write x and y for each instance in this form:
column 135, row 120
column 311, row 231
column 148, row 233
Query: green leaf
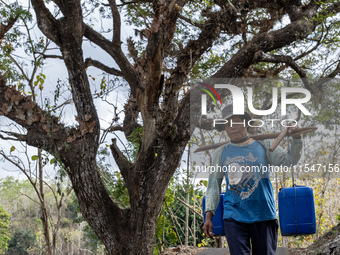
column 52, row 161
column 12, row 148
column 34, row 157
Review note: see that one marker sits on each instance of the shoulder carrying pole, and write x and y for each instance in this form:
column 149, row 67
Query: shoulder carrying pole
column 298, row 131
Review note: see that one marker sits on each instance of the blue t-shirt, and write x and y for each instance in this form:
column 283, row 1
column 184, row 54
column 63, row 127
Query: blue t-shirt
column 249, row 194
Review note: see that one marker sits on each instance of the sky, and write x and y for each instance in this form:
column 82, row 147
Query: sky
column 55, row 69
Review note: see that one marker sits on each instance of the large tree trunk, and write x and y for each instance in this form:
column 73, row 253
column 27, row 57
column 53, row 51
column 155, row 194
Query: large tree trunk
column 94, row 201
column 123, row 231
column 141, row 235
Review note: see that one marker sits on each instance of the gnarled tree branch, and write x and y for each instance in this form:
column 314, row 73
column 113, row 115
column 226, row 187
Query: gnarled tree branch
column 335, row 72
column 5, row 28
column 114, row 50
column 260, row 56
column 116, row 22
column 46, row 22
column 101, row 66
column 123, row 163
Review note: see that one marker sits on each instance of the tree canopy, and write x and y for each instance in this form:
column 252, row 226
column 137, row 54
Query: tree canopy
column 4, row 227
column 171, row 44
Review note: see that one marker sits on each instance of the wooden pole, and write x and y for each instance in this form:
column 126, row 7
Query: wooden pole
column 297, row 131
column 278, row 140
column 187, row 200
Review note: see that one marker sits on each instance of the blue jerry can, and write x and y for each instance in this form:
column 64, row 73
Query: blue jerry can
column 296, row 211
column 217, row 219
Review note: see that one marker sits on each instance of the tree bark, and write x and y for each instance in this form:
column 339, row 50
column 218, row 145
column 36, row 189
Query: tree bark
column 44, row 213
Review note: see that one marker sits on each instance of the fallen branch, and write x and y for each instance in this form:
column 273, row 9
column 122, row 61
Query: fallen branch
column 190, row 207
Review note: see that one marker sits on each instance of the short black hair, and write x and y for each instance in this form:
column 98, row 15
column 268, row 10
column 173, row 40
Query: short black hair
column 227, row 112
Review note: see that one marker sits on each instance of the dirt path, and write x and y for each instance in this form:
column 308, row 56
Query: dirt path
column 214, row 251
column 182, row 250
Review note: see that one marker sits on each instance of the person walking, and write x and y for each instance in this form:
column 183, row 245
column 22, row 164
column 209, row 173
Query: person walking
column 249, row 211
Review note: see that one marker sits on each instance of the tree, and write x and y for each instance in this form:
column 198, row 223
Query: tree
column 4, row 227
column 27, row 228
column 51, row 227
column 156, row 71
column 21, row 241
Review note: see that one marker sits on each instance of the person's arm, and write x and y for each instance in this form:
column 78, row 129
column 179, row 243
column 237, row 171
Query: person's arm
column 208, row 225
column 283, row 157
column 213, row 193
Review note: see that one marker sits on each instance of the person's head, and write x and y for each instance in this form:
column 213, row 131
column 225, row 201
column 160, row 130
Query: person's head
column 236, row 127
column 234, row 131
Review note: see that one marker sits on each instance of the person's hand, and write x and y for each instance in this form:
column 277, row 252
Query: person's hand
column 292, row 129
column 208, row 225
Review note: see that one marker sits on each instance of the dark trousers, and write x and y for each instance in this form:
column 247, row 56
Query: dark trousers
column 258, row 237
